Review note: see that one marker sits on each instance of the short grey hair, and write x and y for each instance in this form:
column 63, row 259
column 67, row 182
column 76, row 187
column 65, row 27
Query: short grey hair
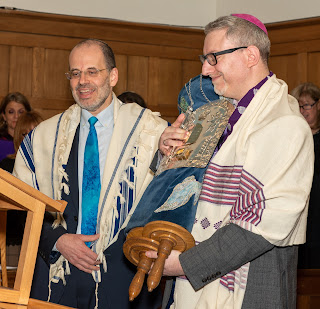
column 105, row 48
column 243, row 33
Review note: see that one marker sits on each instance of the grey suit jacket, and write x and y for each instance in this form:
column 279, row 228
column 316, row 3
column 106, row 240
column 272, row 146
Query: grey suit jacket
column 272, row 273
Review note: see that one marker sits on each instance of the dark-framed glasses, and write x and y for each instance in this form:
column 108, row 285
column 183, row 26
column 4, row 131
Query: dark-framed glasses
column 76, row 74
column 212, row 57
column 307, row 106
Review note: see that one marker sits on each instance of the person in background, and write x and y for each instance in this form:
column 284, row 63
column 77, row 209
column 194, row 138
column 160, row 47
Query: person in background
column 253, row 204
column 25, row 124
column 15, row 218
column 12, row 106
column 308, row 96
column 96, row 156
column 132, row 97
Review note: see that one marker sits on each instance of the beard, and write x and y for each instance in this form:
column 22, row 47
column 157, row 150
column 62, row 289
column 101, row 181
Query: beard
column 90, row 104
column 222, row 90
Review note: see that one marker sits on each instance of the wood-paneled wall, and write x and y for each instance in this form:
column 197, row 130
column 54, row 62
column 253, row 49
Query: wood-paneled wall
column 155, row 61
column 295, row 51
column 308, row 289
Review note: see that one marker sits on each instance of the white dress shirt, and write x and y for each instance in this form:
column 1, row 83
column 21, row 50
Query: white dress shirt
column 104, row 128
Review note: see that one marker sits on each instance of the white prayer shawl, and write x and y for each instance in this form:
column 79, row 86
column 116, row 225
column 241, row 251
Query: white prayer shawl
column 260, row 179
column 133, row 144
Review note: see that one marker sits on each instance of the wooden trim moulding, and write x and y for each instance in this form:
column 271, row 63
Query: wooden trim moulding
column 106, row 29
column 294, row 31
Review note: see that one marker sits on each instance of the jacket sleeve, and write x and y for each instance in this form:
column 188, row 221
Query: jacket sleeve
column 226, row 250
column 48, row 238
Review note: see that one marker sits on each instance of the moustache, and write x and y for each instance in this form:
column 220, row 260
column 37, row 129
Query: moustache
column 84, row 86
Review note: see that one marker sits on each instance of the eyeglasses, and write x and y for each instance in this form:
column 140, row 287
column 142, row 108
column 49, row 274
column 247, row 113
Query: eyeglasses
column 307, row 106
column 212, row 57
column 76, row 74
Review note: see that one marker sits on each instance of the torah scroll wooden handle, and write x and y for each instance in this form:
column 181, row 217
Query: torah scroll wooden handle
column 134, row 249
column 170, row 236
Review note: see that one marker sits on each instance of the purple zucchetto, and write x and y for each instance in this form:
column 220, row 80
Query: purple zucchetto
column 253, row 20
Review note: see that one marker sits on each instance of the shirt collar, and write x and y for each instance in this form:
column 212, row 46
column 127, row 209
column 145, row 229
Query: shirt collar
column 105, row 117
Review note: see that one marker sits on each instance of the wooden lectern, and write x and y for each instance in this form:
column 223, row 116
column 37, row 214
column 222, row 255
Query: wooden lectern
column 15, row 194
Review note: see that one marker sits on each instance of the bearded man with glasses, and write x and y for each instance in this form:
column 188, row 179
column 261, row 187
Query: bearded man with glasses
column 252, row 209
column 96, row 156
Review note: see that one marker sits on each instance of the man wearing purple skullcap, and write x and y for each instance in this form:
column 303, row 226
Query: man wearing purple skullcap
column 253, row 20
column 252, row 208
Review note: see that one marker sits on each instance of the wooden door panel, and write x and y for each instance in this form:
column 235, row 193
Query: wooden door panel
column 190, row 69
column 122, row 66
column 314, row 68
column 54, row 81
column 138, row 75
column 4, row 69
column 20, row 73
column 286, row 67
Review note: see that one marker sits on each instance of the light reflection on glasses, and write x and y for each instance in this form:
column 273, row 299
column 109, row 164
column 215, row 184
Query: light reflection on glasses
column 76, row 74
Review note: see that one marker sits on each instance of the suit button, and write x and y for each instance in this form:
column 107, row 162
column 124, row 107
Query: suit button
column 204, row 279
column 75, row 218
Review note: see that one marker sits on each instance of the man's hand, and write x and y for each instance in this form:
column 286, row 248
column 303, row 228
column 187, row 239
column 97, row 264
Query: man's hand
column 172, row 266
column 173, row 136
column 74, row 249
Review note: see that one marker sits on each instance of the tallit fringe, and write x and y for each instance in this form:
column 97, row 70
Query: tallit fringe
column 122, row 200
column 57, row 273
column 59, row 221
column 125, row 180
column 96, row 293
column 116, row 214
column 65, row 188
column 49, row 288
column 107, row 228
column 70, row 118
column 104, row 263
column 107, row 224
column 62, row 171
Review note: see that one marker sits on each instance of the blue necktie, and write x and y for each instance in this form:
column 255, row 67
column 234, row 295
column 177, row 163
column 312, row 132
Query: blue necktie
column 91, row 182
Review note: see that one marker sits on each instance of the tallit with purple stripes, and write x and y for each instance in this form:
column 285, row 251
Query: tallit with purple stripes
column 251, row 182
